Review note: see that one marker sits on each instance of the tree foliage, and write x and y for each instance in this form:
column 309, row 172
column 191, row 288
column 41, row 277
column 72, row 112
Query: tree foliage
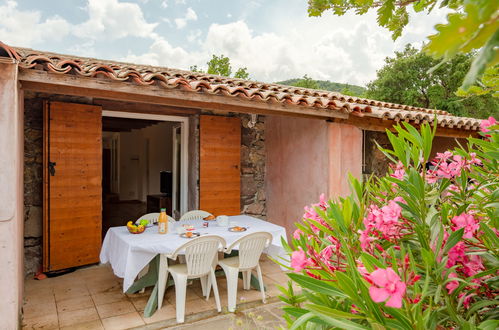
column 220, row 65
column 405, row 79
column 306, row 82
column 326, row 85
column 472, row 25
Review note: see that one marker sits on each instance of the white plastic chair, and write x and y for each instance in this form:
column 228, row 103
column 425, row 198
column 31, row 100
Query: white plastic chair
column 153, row 218
column 250, row 249
column 201, row 258
column 194, row 215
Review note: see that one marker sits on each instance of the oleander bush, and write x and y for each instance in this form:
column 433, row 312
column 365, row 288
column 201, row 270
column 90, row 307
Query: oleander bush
column 416, row 249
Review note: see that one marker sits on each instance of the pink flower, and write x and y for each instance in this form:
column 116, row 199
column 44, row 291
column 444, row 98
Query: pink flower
column 387, row 285
column 398, row 170
column 299, row 260
column 297, row 234
column 466, row 221
column 388, row 223
column 456, row 254
column 472, row 265
column 431, row 176
column 486, row 123
column 473, row 160
column 444, row 156
column 326, row 253
column 452, row 285
column 365, row 240
column 466, row 299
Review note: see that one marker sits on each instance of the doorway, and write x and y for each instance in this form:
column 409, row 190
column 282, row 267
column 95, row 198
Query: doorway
column 144, row 166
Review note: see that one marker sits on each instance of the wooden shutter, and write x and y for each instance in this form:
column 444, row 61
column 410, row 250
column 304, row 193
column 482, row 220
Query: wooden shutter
column 72, row 186
column 220, row 159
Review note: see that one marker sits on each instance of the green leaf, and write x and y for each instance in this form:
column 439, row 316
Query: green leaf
column 484, row 303
column 332, row 317
column 301, row 320
column 489, row 325
column 316, row 285
column 487, row 56
column 385, row 12
column 454, row 238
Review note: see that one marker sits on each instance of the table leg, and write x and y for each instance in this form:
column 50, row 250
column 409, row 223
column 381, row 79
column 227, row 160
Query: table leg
column 150, row 279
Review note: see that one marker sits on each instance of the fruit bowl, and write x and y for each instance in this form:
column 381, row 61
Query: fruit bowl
column 134, row 229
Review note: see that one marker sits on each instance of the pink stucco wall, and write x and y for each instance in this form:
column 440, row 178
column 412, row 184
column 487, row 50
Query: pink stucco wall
column 11, row 196
column 345, row 156
column 305, row 158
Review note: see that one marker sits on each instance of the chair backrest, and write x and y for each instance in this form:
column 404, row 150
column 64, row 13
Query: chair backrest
column 200, row 253
column 194, row 215
column 153, row 218
column 250, row 248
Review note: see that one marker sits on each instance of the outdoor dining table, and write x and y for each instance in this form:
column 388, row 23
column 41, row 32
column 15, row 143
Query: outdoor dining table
column 128, row 254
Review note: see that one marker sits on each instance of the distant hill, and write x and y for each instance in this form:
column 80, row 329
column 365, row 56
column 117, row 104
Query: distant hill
column 327, row 85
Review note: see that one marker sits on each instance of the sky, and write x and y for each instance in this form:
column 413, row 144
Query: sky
column 274, row 39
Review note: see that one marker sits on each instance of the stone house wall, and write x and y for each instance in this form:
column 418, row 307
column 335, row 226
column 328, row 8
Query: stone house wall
column 375, row 162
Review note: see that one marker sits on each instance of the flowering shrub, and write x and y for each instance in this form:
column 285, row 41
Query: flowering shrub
column 416, row 249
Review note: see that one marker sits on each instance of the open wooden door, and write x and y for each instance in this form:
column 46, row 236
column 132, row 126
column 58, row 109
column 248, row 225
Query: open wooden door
column 219, row 168
column 72, row 176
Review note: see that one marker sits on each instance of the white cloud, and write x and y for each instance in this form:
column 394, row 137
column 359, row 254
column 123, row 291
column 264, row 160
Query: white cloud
column 164, row 54
column 113, row 19
column 343, row 49
column 26, row 28
column 190, row 15
column 180, row 2
column 164, row 4
column 194, row 35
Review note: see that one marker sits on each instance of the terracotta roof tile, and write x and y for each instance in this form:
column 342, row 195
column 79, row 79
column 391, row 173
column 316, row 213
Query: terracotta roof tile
column 233, row 87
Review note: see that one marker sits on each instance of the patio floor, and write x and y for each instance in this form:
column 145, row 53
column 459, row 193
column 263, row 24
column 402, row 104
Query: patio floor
column 92, row 298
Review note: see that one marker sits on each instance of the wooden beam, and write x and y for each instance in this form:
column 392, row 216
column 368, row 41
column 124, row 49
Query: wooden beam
column 42, row 81
column 377, row 124
column 137, row 107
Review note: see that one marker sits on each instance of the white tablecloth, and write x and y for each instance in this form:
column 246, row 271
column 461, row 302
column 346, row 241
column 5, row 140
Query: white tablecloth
column 128, row 254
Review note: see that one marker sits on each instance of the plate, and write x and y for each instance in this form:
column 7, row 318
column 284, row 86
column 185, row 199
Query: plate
column 184, row 235
column 237, row 229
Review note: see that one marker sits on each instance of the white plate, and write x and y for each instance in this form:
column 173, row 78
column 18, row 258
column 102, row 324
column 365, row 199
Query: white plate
column 237, row 231
column 193, row 235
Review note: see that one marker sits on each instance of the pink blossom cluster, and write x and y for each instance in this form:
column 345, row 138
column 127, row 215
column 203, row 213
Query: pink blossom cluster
column 398, row 170
column 486, row 123
column 449, row 166
column 385, row 222
column 330, row 255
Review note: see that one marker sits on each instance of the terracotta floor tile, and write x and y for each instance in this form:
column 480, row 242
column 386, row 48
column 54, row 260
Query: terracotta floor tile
column 279, row 277
column 39, row 297
column 32, row 310
column 140, row 302
column 124, row 321
column 115, row 308
column 190, row 294
column 201, row 305
column 108, row 297
column 165, row 313
column 77, row 316
column 103, row 285
column 72, row 304
column 91, row 325
column 70, row 292
column 45, row 322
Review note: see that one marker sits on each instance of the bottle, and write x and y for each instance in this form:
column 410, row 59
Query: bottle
column 163, row 222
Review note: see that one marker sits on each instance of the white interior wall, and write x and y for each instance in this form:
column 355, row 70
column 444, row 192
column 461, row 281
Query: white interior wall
column 134, row 165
